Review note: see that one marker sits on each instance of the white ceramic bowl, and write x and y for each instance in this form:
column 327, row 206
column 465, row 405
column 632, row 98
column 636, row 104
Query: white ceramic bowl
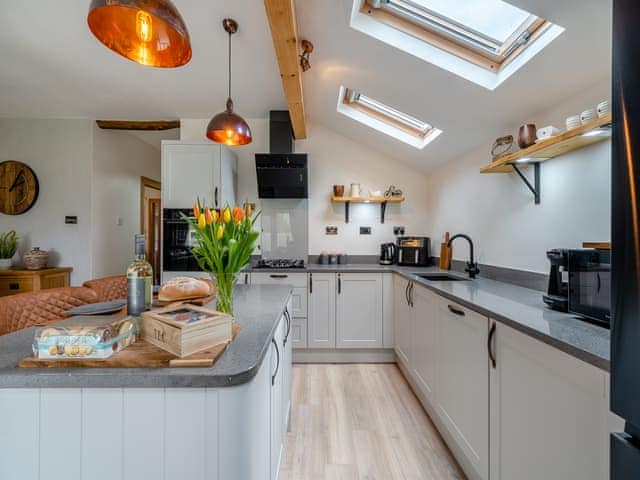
column 573, row 122
column 603, row 108
column 588, row 116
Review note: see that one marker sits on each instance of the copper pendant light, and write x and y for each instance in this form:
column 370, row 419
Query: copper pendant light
column 227, row 127
column 149, row 32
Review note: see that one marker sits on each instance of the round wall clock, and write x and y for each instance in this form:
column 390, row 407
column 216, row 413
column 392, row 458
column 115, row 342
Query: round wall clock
column 18, row 187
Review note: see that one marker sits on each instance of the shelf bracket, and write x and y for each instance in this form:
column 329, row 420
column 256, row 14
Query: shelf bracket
column 383, row 209
column 535, row 188
column 346, row 212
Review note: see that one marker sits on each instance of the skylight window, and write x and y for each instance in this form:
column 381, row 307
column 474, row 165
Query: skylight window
column 485, row 41
column 385, row 119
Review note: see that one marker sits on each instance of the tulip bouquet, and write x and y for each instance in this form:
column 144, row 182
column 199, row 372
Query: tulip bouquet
column 225, row 241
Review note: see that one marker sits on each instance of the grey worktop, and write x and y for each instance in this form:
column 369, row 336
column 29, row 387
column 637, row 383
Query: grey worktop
column 518, row 307
column 258, row 308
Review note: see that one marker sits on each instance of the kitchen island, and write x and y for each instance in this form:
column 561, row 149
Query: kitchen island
column 223, row 422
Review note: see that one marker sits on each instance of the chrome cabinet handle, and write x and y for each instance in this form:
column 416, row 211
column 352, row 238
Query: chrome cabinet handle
column 215, row 197
column 492, row 355
column 273, row 377
column 246, row 279
column 311, row 283
column 456, row 311
column 281, row 275
column 339, row 284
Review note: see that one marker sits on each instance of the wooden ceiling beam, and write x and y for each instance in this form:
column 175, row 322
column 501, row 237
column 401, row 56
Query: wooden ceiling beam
column 282, row 21
column 154, row 125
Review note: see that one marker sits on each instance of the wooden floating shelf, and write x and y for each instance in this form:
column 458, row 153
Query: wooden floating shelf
column 367, row 199
column 382, row 201
column 553, row 147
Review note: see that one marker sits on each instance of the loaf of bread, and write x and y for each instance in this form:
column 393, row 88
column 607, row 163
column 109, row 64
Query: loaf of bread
column 185, row 288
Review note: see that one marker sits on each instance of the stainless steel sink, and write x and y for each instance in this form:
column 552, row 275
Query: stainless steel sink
column 441, row 277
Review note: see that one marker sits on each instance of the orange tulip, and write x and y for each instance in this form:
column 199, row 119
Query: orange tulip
column 220, row 232
column 196, row 210
column 208, row 216
column 248, row 208
column 238, row 214
column 226, row 215
column 201, row 221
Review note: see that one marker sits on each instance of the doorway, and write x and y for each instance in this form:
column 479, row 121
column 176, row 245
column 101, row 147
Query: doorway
column 150, row 220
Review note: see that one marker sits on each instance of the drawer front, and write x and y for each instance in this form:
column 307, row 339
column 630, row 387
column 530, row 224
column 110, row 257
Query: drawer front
column 298, row 279
column 56, row 280
column 11, row 286
column 299, row 332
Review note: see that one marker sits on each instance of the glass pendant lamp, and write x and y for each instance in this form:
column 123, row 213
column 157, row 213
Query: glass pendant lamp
column 149, row 32
column 227, row 127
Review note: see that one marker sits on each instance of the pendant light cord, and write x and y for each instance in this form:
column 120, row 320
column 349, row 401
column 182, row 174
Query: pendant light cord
column 229, row 65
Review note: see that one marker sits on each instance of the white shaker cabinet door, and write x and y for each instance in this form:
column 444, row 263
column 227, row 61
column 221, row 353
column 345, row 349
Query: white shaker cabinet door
column 359, row 310
column 403, row 320
column 321, row 324
column 549, row 412
column 462, row 381
column 189, row 171
column 425, row 317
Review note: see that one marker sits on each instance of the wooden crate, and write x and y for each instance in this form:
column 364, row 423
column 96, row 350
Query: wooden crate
column 186, row 329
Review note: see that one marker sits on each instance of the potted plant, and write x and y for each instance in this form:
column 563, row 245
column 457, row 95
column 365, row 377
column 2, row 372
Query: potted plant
column 225, row 240
column 8, row 247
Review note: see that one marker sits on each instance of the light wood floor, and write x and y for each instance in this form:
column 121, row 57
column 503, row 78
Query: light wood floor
column 361, row 422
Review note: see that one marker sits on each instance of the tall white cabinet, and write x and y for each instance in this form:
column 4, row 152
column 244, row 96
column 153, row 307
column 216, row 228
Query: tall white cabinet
column 202, row 170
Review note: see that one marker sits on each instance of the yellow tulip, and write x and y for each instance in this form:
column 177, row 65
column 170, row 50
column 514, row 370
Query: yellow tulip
column 201, row 221
column 208, row 216
column 226, row 215
column 196, row 210
column 216, row 215
column 220, row 232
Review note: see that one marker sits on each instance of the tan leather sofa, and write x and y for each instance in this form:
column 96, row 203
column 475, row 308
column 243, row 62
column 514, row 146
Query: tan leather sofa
column 46, row 306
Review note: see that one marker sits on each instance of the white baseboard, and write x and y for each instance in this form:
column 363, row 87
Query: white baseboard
column 343, row 355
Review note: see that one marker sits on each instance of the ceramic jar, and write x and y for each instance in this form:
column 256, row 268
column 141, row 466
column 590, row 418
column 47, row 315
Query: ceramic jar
column 5, row 263
column 35, row 259
column 527, row 135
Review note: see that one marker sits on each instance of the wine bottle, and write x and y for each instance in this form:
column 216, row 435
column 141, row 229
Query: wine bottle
column 139, row 280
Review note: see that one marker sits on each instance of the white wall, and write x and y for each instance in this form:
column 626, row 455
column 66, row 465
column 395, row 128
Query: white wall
column 59, row 152
column 498, row 211
column 119, row 160
column 336, row 159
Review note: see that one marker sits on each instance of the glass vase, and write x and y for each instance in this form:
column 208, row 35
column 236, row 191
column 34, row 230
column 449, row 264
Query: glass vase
column 225, row 283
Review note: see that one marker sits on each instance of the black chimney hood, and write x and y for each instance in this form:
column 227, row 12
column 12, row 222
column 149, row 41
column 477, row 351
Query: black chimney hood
column 281, row 173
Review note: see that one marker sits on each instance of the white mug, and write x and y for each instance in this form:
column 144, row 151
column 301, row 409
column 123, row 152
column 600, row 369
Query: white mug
column 355, row 189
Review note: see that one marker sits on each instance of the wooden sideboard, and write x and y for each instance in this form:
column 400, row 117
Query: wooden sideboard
column 15, row 281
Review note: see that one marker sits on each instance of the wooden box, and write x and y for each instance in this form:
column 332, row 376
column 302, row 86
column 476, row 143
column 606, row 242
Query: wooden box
column 186, row 329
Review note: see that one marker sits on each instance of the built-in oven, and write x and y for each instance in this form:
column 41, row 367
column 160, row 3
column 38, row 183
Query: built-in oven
column 590, row 284
column 178, row 241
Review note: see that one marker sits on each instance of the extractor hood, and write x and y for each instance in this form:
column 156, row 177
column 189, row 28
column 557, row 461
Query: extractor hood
column 281, row 173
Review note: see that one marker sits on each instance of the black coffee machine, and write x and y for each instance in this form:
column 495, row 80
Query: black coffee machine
column 557, row 296
column 388, row 253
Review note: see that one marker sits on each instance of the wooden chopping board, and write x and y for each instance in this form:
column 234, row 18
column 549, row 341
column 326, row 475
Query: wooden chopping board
column 138, row 355
column 445, row 253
